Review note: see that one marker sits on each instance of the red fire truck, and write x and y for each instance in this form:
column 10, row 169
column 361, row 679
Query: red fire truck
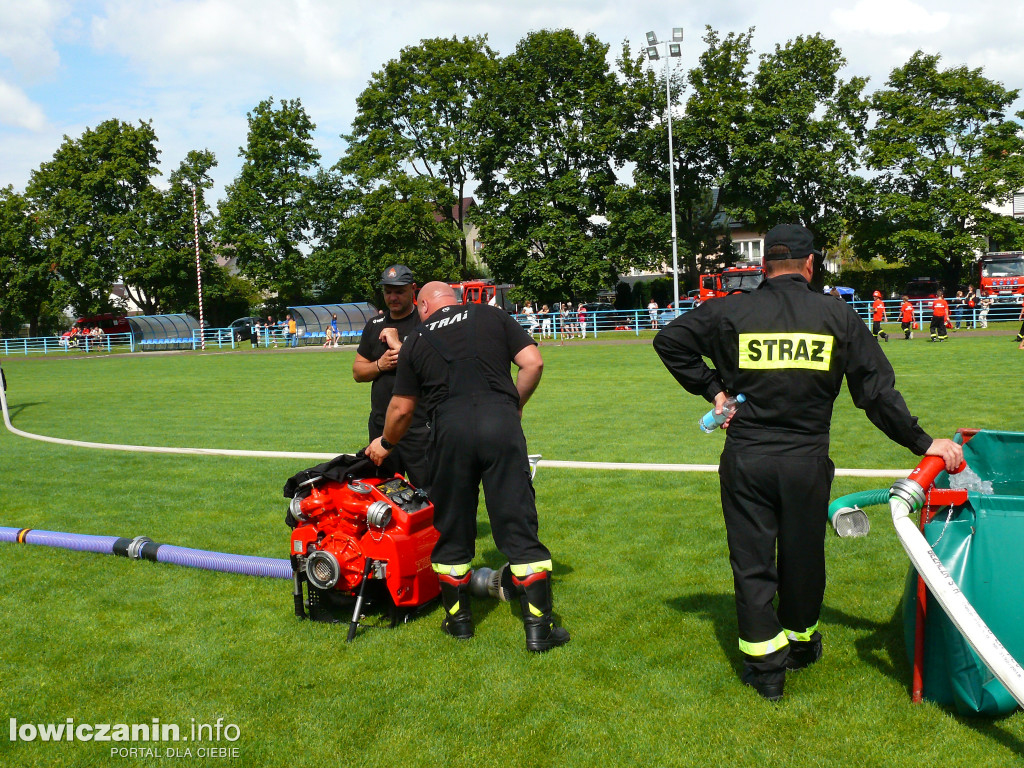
column 1002, row 274
column 743, row 277
column 483, row 292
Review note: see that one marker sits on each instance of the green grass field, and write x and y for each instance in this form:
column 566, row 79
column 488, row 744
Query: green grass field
column 642, row 579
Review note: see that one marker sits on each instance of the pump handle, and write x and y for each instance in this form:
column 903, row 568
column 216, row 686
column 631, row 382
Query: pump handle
column 924, row 474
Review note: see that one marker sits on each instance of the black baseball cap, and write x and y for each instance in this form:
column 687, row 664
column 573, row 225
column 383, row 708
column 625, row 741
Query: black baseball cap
column 397, row 274
column 796, row 238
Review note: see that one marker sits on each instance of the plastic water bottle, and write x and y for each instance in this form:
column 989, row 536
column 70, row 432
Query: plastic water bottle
column 711, row 421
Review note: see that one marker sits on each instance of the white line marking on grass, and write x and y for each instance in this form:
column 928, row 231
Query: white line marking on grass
column 602, row 465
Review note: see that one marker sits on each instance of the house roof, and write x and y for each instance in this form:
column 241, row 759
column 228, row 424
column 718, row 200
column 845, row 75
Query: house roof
column 459, row 211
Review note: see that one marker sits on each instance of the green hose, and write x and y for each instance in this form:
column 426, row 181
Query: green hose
column 860, row 499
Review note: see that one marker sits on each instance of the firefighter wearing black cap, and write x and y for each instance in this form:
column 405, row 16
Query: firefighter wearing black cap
column 377, row 360
column 456, row 364
column 787, row 348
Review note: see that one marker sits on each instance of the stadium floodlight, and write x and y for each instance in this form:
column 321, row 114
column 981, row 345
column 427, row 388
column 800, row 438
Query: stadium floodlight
column 674, row 50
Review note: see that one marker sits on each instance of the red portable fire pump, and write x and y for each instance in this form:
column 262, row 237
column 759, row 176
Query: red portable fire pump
column 361, row 543
column 364, row 543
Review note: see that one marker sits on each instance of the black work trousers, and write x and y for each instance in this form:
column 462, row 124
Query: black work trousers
column 478, row 438
column 411, row 456
column 776, row 511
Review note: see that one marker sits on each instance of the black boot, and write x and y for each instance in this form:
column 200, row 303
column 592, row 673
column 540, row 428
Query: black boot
column 458, row 616
column 535, row 599
column 804, row 653
column 768, row 684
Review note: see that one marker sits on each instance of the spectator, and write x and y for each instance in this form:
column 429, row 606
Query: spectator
column 652, row 311
column 293, row 332
column 269, row 329
column 334, row 329
column 531, row 318
column 1020, row 333
column 971, row 302
column 958, row 303
column 545, row 322
column 582, row 317
column 986, row 305
column 568, row 323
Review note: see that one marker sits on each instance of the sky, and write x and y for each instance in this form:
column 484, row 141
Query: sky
column 195, row 68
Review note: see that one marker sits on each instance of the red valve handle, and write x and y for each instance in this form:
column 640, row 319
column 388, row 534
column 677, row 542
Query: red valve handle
column 924, row 474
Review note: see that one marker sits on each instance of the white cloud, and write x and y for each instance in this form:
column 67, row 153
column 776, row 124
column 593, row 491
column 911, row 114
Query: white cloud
column 891, row 18
column 227, row 37
column 26, row 35
column 17, row 110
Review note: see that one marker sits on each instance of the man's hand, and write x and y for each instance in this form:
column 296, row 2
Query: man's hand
column 375, row 452
column 720, row 399
column 388, row 361
column 390, row 337
column 950, row 452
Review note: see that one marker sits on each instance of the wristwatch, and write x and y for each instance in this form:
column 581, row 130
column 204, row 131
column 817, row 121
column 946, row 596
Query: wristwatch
column 385, row 444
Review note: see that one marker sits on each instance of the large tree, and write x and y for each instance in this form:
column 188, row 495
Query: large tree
column 944, row 153
column 266, row 216
column 413, row 120
column 158, row 266
column 546, row 164
column 27, row 271
column 798, row 150
column 88, row 197
column 360, row 231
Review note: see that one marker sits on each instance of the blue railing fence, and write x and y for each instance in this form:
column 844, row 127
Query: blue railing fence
column 553, row 326
column 636, row 321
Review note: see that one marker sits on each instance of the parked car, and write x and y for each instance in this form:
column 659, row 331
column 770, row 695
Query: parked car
column 241, row 329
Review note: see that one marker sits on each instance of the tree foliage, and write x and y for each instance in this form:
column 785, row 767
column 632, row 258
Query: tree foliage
column 413, row 119
column 799, row 148
column 365, row 230
column 89, row 197
column 27, row 272
column 944, row 152
column 266, row 216
column 548, row 125
column 158, row 267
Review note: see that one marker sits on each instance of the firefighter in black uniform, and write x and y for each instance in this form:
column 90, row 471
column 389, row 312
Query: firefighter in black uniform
column 377, row 360
column 786, row 347
column 456, row 365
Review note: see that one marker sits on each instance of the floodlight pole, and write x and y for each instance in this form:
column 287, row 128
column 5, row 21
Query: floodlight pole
column 672, row 51
column 199, row 271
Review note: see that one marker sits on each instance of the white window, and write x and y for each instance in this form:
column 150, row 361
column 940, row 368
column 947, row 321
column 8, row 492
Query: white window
column 749, row 250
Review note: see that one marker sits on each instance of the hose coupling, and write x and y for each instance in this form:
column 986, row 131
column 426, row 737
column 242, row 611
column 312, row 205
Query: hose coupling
column 910, row 492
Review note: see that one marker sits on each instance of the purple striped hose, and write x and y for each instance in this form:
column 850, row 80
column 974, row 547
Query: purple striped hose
column 142, row 548
column 249, row 565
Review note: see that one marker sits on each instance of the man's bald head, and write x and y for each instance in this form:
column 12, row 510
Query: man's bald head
column 433, row 296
